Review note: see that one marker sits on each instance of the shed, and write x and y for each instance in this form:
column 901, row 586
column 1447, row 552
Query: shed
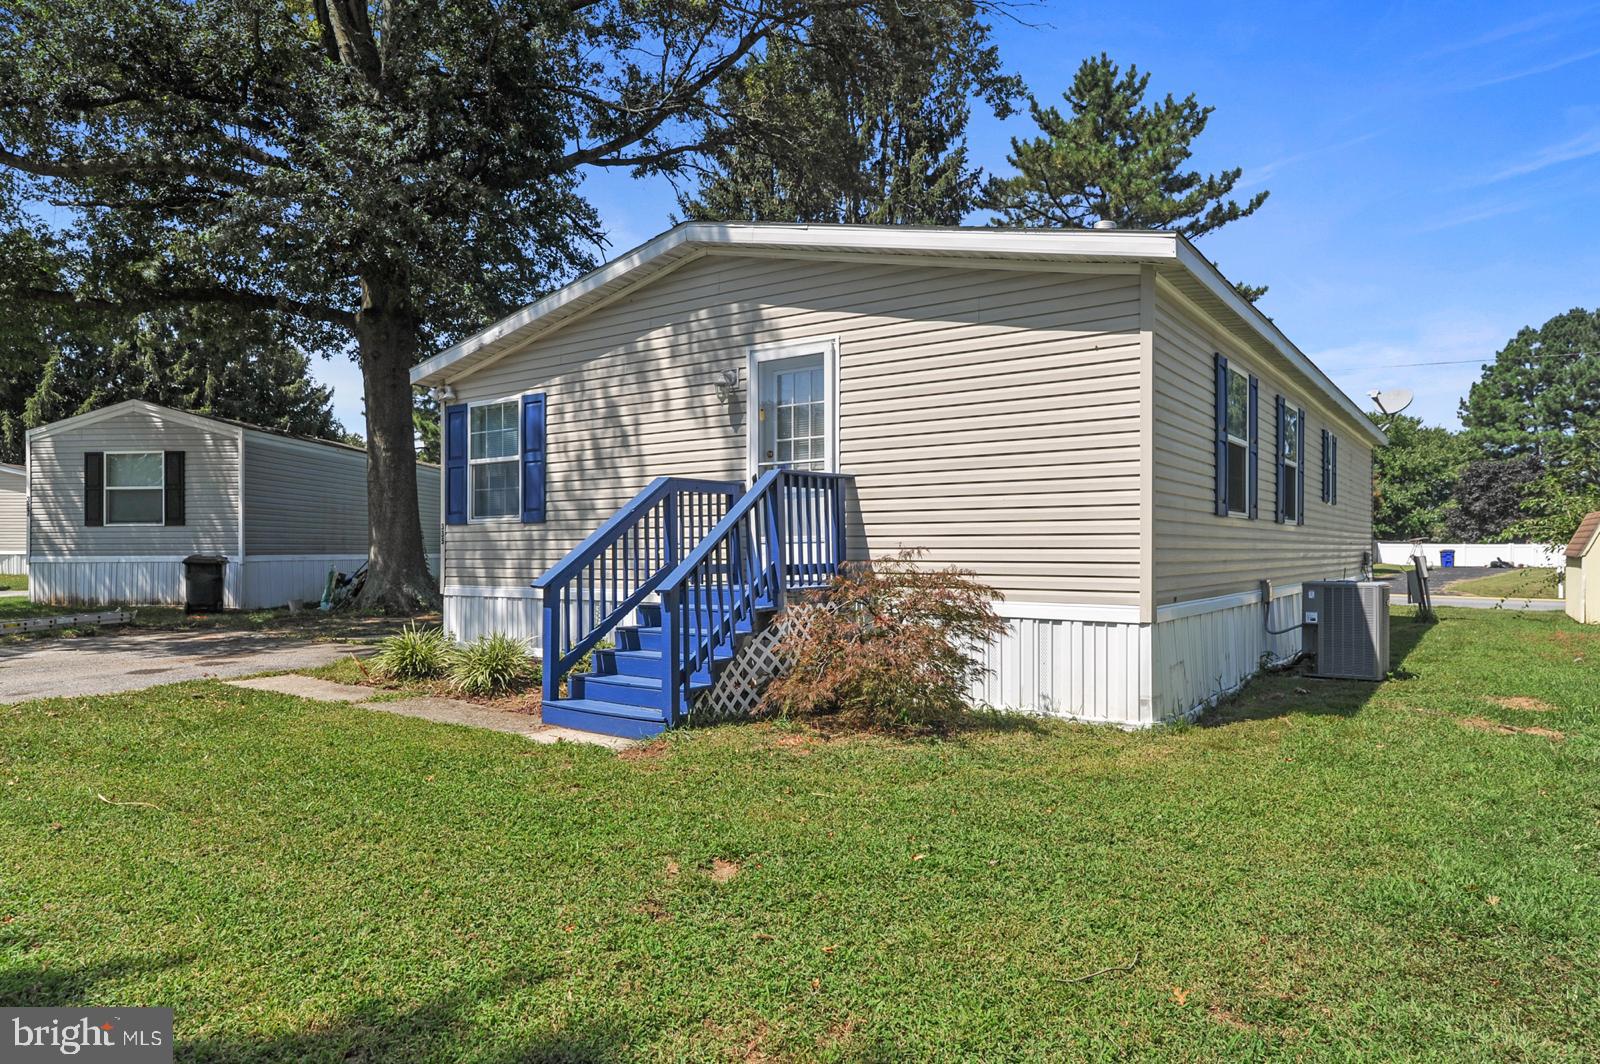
column 13, row 520
column 121, row 495
column 1583, row 575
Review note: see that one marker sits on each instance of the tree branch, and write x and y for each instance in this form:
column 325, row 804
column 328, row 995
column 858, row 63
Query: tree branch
column 669, row 106
column 91, row 168
column 182, row 296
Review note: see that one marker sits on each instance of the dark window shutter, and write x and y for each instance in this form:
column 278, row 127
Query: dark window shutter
column 174, row 487
column 1255, row 450
column 455, row 464
column 1222, row 435
column 94, row 489
column 1327, row 454
column 1277, row 464
column 1300, row 470
column 533, row 463
column 1333, row 483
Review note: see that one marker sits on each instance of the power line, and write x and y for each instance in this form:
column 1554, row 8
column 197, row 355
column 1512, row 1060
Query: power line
column 1483, row 361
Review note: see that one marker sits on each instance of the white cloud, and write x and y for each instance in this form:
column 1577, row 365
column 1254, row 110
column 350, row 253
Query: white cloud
column 1459, row 341
column 1582, row 146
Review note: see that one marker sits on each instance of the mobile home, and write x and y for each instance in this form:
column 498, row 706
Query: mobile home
column 122, row 495
column 1094, row 422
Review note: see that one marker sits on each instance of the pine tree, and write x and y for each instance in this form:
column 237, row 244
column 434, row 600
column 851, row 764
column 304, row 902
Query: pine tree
column 864, row 123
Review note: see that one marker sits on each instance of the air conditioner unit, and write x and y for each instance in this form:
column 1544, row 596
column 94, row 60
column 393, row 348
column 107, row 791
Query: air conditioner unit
column 1347, row 628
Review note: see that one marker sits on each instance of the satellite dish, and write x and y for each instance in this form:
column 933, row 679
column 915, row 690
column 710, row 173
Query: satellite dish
column 1392, row 401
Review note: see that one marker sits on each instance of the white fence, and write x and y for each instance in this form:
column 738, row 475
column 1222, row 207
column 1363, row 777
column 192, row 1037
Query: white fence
column 1476, row 554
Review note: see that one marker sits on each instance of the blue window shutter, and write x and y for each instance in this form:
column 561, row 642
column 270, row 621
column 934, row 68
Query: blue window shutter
column 1333, row 489
column 1327, row 457
column 455, row 464
column 1277, row 464
column 1222, row 435
column 533, row 463
column 1300, row 470
column 1255, row 450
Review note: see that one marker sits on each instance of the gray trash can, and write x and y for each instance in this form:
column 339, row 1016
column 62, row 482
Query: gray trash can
column 202, row 583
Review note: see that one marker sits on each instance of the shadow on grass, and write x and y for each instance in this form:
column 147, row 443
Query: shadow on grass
column 28, row 987
column 1279, row 694
column 440, row 1029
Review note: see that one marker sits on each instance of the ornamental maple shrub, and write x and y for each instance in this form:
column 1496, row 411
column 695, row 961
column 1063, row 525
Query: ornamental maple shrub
column 890, row 644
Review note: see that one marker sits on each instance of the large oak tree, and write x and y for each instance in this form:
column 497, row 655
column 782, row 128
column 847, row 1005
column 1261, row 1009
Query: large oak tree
column 384, row 176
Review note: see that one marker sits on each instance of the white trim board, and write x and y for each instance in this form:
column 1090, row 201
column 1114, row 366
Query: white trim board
column 1174, row 611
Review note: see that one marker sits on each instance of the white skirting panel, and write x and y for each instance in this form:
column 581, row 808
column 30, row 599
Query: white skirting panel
column 1207, row 650
column 13, row 565
column 1094, row 670
column 276, row 581
column 473, row 613
column 119, row 581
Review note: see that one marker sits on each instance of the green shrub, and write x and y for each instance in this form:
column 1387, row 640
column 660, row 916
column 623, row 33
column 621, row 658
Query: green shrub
column 493, row 665
column 889, row 645
column 413, row 654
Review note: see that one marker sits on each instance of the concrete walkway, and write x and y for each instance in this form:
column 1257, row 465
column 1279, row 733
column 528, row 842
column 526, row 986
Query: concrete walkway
column 117, row 661
column 438, row 710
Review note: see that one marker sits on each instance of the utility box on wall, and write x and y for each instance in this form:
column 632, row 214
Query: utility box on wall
column 1347, row 628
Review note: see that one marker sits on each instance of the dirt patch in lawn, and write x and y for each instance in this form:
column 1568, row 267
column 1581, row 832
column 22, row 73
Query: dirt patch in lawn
column 1494, row 727
column 722, row 871
column 1522, row 702
column 651, row 751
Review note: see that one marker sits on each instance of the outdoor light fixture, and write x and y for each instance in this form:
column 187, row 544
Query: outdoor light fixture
column 727, row 385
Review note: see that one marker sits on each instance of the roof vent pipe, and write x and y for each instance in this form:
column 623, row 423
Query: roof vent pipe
column 1105, row 223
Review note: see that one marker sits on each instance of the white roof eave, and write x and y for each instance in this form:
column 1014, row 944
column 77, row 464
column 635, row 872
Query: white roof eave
column 691, row 239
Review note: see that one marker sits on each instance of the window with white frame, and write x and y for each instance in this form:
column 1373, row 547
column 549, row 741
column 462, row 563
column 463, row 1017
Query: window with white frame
column 1290, row 442
column 135, row 488
column 1238, row 442
column 493, row 442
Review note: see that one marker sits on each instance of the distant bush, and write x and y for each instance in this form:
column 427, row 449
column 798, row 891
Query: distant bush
column 493, row 665
column 413, row 654
column 889, row 645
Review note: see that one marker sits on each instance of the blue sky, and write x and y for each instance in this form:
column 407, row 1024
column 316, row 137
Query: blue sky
column 1434, row 168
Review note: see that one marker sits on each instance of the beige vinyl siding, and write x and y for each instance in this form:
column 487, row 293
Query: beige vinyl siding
column 1197, row 553
column 13, row 513
column 307, row 498
column 211, row 500
column 990, row 416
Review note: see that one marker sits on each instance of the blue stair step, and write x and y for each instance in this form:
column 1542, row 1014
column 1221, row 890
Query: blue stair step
column 605, row 718
column 641, row 662
column 636, row 638
column 626, row 690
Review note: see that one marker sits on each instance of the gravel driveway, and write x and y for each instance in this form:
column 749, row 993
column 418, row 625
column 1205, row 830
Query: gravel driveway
column 129, row 661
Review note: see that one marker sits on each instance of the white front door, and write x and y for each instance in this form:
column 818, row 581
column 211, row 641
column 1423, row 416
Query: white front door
column 794, row 413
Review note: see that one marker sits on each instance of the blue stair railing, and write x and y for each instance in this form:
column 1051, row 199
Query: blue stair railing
column 787, row 533
column 607, row 576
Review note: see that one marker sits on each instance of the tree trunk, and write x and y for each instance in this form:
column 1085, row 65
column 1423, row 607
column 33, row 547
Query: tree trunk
column 397, row 568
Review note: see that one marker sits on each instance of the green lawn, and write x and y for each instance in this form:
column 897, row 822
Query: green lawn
column 1327, row 871
column 13, row 583
column 1512, row 583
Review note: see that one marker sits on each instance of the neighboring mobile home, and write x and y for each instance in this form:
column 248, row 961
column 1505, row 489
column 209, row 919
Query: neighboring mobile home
column 13, row 520
column 1093, row 421
column 121, row 495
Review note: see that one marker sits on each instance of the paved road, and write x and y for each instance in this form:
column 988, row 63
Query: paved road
column 1440, row 579
column 130, row 661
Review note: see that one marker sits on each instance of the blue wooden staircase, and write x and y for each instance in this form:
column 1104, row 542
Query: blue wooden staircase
column 660, row 597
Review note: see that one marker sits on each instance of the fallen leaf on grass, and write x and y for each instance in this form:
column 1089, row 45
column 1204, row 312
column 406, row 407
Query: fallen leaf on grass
column 1180, row 995
column 919, row 856
column 722, row 871
column 1493, row 899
